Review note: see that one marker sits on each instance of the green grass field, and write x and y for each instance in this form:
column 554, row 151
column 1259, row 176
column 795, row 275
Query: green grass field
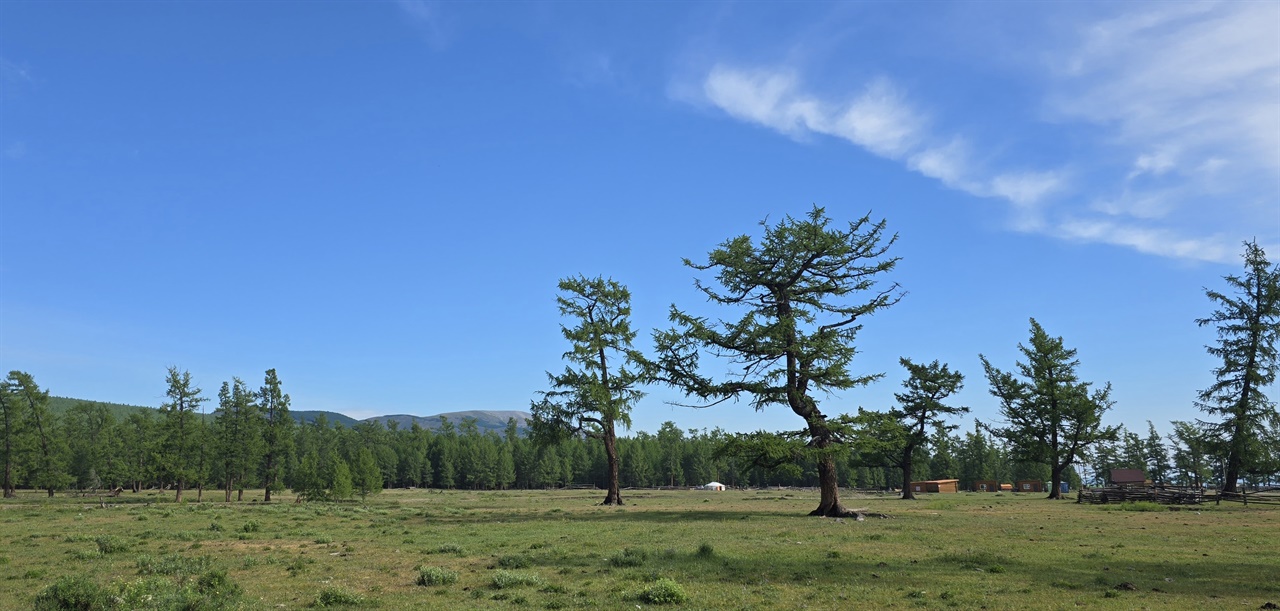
column 556, row 550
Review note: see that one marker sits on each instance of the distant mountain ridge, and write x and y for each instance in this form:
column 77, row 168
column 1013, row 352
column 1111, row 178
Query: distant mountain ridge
column 486, row 420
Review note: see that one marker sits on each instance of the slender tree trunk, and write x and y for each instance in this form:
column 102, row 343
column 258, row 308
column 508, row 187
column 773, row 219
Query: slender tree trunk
column 907, row 493
column 228, row 489
column 614, row 496
column 178, row 497
column 240, row 494
column 200, row 492
column 8, row 453
column 271, row 477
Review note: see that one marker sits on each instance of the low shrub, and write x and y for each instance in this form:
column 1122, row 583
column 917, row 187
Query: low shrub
column 217, row 585
column 436, row 576
column 629, row 557
column 73, row 592
column 172, row 564
column 514, row 579
column 664, row 591
column 111, row 544
column 338, row 597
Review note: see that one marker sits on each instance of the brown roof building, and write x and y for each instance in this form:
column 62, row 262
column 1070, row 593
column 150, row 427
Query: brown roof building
column 1029, row 485
column 1128, row 477
column 986, row 485
column 936, row 485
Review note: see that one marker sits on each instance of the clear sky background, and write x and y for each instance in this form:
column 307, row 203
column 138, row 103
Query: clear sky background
column 377, row 199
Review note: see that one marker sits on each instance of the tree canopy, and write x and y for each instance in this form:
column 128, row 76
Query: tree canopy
column 802, row 292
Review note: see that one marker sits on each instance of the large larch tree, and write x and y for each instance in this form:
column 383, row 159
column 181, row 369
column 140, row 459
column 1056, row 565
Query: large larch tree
column 1248, row 323
column 921, row 407
column 597, row 389
column 1051, row 417
column 803, row 291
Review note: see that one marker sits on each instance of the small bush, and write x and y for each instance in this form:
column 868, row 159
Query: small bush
column 73, row 592
column 436, row 576
column 172, row 564
column 664, row 591
column 338, row 597
column 705, row 550
column 217, row 585
column 215, row 527
column 515, row 562
column 629, row 557
column 514, row 579
column 450, row 548
column 252, row 526
column 111, row 544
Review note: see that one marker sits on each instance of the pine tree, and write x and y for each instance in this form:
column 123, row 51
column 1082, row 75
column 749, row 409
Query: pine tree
column 1051, row 416
column 239, row 424
column 803, row 292
column 181, row 445
column 367, row 477
column 47, row 464
column 1248, row 324
column 921, row 407
column 11, row 421
column 277, row 434
column 598, row 387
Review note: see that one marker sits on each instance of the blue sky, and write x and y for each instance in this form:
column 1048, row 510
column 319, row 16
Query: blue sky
column 377, row 199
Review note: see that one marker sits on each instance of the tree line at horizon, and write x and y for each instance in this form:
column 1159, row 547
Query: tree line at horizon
column 802, row 294
column 93, row 450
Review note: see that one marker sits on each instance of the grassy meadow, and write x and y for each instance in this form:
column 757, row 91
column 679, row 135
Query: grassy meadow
column 674, row 549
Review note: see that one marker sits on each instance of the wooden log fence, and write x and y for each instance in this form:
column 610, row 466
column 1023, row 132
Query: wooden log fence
column 1132, row 494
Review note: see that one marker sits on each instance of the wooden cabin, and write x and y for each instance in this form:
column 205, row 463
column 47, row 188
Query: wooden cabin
column 936, row 485
column 1127, row 477
column 1030, row 485
column 986, row 485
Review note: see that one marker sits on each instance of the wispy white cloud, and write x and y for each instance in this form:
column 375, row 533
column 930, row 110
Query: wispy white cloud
column 1180, row 157
column 878, row 118
column 1151, row 240
column 1192, row 92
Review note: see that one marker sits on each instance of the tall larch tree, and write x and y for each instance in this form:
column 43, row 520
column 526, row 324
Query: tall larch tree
column 921, row 408
column 1248, row 323
column 277, row 434
column 803, row 292
column 597, row 389
column 46, row 465
column 180, row 449
column 11, row 421
column 238, row 422
column 1051, row 417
